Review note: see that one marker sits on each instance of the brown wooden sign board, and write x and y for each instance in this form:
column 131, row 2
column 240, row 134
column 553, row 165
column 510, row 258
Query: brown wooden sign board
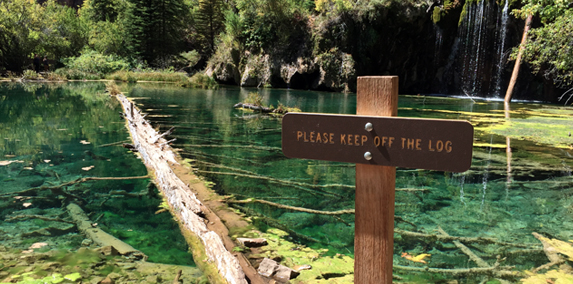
column 432, row 144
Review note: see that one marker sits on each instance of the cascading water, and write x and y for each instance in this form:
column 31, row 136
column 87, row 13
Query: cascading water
column 480, row 60
column 501, row 47
column 439, row 32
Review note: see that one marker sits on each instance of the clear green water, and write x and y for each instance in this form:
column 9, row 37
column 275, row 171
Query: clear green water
column 55, row 133
column 240, row 151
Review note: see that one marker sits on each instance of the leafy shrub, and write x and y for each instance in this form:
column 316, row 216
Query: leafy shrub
column 31, row 75
column 52, row 76
column 92, row 62
column 200, row 80
column 148, row 75
column 74, row 74
column 254, row 99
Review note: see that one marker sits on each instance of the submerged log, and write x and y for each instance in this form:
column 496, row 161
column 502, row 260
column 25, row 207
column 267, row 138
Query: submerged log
column 158, row 156
column 97, row 235
column 253, row 107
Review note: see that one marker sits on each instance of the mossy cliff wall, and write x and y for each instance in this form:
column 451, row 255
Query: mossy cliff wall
column 449, row 47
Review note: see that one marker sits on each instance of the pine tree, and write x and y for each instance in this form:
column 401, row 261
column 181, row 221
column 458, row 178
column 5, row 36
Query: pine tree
column 210, row 22
column 154, row 29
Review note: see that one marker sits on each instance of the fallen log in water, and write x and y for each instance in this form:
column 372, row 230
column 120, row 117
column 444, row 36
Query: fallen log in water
column 98, row 235
column 158, row 156
column 253, row 107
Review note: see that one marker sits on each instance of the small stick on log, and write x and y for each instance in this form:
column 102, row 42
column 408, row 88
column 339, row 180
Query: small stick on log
column 167, row 142
column 156, row 138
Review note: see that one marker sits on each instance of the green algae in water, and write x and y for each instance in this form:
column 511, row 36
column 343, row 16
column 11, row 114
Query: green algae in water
column 59, row 132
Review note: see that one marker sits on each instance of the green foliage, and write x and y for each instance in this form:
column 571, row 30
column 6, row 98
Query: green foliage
column 27, row 27
column 547, row 10
column 336, row 6
column 31, row 75
column 209, row 20
column 95, row 64
column 338, row 68
column 154, row 29
column 192, row 57
column 106, row 33
column 254, row 99
column 102, row 10
column 549, row 49
column 200, row 80
column 160, row 75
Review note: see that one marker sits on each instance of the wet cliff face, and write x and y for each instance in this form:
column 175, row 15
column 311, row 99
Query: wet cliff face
column 452, row 47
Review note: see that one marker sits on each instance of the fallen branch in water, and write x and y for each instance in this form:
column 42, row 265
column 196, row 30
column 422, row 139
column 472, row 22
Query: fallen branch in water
column 478, row 260
column 26, row 217
column 59, row 188
column 263, row 148
column 253, row 107
column 478, row 240
column 460, row 271
column 276, row 180
column 300, row 185
column 288, row 207
column 113, row 144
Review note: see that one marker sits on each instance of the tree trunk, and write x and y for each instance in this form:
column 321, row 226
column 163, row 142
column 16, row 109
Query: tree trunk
column 515, row 73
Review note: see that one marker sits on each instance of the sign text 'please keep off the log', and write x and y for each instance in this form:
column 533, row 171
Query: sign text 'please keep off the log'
column 432, row 144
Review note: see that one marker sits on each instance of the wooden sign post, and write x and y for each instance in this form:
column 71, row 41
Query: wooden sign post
column 377, row 142
column 374, row 201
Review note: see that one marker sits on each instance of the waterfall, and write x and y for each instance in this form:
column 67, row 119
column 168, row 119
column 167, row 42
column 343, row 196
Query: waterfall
column 439, row 32
column 501, row 48
column 482, row 35
column 472, row 33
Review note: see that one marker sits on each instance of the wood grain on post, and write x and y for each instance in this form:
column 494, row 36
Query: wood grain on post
column 374, row 219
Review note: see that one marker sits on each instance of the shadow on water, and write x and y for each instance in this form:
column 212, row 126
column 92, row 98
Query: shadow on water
column 518, row 183
column 52, row 134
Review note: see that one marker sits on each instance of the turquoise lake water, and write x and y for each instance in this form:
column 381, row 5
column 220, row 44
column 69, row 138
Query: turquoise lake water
column 54, row 134
column 240, row 153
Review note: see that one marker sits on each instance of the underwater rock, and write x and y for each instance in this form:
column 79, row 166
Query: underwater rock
column 267, row 267
column 272, row 269
column 87, row 242
column 252, row 243
column 108, row 250
column 35, row 182
column 107, row 280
